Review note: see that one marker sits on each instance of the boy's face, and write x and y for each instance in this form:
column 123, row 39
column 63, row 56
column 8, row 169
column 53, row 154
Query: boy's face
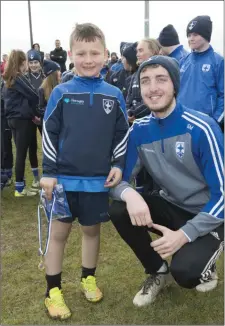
column 196, row 42
column 88, row 57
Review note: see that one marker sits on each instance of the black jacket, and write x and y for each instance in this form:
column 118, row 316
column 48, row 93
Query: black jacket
column 60, row 56
column 119, row 79
column 134, row 103
column 20, row 100
column 42, row 103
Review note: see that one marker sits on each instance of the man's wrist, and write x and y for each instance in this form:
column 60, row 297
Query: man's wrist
column 183, row 236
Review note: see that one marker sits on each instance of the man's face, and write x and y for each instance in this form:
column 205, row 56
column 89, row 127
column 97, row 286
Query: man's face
column 196, row 42
column 113, row 58
column 143, row 52
column 88, row 57
column 157, row 88
column 57, row 44
column 34, row 65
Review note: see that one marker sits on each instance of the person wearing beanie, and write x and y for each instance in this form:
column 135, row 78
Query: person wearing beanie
column 122, row 78
column 174, row 145
column 35, row 76
column 169, row 40
column 52, row 74
column 202, row 72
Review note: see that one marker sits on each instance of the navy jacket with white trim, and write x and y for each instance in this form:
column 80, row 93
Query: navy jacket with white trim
column 184, row 155
column 85, row 132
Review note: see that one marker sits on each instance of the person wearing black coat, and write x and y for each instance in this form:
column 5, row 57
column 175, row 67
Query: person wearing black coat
column 20, row 102
column 59, row 55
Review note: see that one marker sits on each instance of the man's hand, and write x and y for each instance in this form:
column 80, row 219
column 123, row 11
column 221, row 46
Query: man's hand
column 48, row 185
column 137, row 208
column 37, row 120
column 170, row 242
column 131, row 119
column 114, row 177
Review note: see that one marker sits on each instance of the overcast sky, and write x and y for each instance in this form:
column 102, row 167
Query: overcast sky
column 119, row 20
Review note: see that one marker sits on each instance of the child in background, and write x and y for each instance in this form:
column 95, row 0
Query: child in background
column 20, row 101
column 52, row 73
column 85, row 132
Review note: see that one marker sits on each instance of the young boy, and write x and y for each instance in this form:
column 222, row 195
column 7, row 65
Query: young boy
column 85, row 133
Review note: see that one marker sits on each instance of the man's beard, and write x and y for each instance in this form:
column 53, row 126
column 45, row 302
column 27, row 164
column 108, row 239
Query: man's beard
column 164, row 108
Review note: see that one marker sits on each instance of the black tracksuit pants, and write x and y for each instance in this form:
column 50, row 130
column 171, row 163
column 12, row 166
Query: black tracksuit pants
column 189, row 265
column 23, row 133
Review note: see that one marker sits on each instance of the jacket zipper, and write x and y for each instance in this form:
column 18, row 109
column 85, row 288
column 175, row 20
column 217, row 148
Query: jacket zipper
column 91, row 96
column 162, row 140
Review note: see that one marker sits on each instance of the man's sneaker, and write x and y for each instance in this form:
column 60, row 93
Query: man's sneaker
column 150, row 288
column 210, row 283
column 90, row 289
column 56, row 306
column 35, row 185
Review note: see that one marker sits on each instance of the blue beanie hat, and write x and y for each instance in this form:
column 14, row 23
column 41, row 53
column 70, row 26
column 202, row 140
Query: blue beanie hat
column 49, row 67
column 33, row 55
column 170, row 64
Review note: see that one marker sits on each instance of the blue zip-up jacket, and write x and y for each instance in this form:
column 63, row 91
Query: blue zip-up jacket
column 179, row 53
column 85, row 132
column 20, row 100
column 117, row 66
column 184, row 155
column 202, row 83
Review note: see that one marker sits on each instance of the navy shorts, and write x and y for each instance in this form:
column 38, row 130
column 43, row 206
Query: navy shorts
column 89, row 207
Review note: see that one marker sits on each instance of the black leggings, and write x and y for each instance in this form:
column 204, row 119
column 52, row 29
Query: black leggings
column 23, row 133
column 189, row 265
column 8, row 153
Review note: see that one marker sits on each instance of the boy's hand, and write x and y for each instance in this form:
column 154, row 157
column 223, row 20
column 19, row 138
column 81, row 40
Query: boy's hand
column 114, row 177
column 48, row 185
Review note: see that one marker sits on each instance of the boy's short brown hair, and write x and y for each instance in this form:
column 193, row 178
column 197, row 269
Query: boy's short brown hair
column 87, row 32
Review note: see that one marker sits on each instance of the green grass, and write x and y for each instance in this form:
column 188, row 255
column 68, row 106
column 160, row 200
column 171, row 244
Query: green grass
column 119, row 276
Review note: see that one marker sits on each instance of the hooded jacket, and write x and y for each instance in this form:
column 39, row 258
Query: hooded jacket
column 60, row 56
column 202, row 83
column 20, row 100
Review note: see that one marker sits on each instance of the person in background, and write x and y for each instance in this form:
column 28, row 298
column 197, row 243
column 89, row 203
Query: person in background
column 169, row 40
column 3, row 63
column 122, row 78
column 20, row 101
column 52, row 74
column 69, row 75
column 135, row 107
column 35, row 76
column 114, row 59
column 202, row 72
column 4, row 177
column 59, row 56
column 36, row 47
column 47, row 56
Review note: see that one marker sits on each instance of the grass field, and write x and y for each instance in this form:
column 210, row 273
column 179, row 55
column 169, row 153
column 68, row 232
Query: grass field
column 119, row 276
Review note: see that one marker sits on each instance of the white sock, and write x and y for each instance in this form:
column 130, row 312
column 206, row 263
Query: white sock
column 163, row 268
